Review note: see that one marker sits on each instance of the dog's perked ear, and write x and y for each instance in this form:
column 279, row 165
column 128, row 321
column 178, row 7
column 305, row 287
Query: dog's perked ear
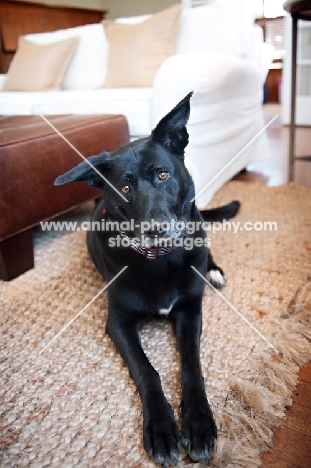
column 88, row 171
column 171, row 131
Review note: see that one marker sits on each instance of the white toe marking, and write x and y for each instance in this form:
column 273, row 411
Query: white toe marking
column 216, row 277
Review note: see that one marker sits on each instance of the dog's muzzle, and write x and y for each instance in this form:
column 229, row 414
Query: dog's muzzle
column 150, row 248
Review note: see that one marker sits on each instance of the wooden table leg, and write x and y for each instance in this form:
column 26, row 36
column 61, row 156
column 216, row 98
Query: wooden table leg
column 291, row 155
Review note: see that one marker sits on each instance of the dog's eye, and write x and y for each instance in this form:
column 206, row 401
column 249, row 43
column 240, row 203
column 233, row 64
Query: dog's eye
column 163, row 175
column 125, row 189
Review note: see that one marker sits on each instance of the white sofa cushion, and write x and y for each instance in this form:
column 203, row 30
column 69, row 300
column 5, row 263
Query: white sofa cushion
column 134, row 103
column 87, row 69
column 19, row 103
column 2, row 80
column 132, row 19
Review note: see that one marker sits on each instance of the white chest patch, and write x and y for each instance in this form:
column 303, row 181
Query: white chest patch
column 165, row 312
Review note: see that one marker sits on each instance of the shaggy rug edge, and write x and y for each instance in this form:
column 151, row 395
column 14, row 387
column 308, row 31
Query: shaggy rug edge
column 257, row 401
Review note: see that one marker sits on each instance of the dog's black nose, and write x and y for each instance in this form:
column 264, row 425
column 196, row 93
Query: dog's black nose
column 156, row 228
column 159, row 226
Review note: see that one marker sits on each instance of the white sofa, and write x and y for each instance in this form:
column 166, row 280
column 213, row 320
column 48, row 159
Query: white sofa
column 220, row 55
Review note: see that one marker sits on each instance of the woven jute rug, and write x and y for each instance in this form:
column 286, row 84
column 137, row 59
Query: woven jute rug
column 76, row 405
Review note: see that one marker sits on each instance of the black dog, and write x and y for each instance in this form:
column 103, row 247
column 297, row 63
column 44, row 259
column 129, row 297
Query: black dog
column 157, row 192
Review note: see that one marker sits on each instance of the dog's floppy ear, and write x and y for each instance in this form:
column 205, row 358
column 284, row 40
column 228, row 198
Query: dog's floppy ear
column 89, row 171
column 171, row 131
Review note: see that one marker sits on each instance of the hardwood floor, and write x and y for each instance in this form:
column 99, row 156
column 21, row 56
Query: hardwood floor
column 274, row 171
column 291, row 444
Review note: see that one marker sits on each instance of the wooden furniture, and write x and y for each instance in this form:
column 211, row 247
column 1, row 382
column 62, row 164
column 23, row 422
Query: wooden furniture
column 32, row 155
column 273, row 34
column 20, row 18
column 299, row 10
column 273, row 82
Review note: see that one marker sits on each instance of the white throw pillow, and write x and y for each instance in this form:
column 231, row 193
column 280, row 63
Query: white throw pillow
column 39, row 67
column 219, row 28
column 136, row 51
column 87, row 69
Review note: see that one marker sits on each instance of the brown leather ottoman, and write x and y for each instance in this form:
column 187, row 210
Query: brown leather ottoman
column 32, row 155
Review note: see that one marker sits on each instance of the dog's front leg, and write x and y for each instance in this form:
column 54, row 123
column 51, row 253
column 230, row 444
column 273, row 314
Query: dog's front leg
column 199, row 430
column 161, row 434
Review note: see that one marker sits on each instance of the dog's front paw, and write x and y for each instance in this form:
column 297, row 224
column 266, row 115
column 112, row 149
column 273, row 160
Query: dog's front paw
column 216, row 277
column 199, row 433
column 161, row 436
